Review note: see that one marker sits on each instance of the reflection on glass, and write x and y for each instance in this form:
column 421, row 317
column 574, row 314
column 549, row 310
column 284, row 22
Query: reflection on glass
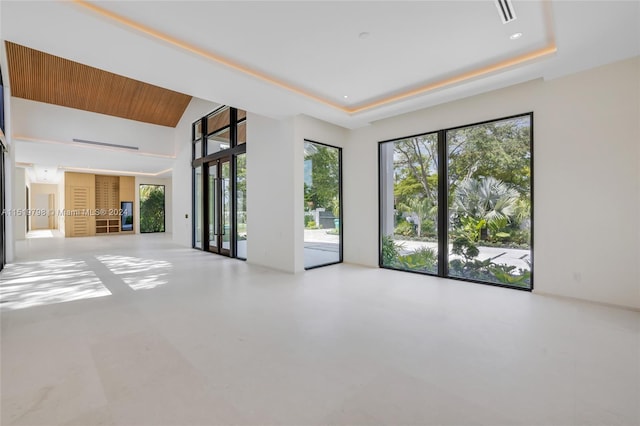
column 218, row 142
column 218, row 120
column 409, row 203
column 226, row 206
column 197, row 130
column 242, row 133
column 322, row 204
column 241, row 206
column 197, row 214
column 213, row 199
column 197, row 149
column 126, row 215
column 490, row 202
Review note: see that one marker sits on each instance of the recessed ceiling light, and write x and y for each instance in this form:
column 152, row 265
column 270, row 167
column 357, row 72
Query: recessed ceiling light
column 364, row 34
column 515, row 36
column 345, row 96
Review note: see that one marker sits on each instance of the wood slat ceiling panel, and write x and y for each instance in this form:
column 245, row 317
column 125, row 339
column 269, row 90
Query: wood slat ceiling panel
column 42, row 77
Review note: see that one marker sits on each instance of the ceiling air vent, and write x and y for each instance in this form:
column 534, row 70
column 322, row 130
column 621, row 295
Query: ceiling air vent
column 111, row 145
column 505, row 10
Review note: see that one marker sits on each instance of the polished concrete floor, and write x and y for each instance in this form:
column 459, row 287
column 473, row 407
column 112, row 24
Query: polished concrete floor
column 135, row 330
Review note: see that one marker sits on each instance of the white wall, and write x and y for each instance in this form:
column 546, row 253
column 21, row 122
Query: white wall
column 181, row 176
column 168, row 201
column 39, row 194
column 271, row 183
column 275, row 186
column 19, row 202
column 586, row 177
column 52, row 122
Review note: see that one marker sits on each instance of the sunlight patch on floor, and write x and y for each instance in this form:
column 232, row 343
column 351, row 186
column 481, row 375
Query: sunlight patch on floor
column 41, row 233
column 28, row 284
column 138, row 273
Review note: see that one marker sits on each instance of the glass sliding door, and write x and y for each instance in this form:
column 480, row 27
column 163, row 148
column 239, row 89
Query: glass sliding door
column 489, row 196
column 409, row 203
column 322, row 205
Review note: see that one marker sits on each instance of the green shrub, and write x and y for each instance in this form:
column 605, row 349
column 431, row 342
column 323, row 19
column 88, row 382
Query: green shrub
column 405, row 229
column 428, row 228
column 422, row 259
column 308, row 218
column 390, row 251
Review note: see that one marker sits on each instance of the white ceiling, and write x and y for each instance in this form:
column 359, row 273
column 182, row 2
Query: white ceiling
column 314, row 47
column 43, row 155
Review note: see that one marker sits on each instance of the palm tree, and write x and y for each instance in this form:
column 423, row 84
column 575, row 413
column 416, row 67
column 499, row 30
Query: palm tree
column 422, row 207
column 485, row 198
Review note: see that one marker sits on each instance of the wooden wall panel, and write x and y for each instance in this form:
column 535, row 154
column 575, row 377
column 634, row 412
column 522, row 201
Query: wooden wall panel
column 80, row 196
column 128, row 193
column 108, row 195
column 42, row 77
column 127, row 188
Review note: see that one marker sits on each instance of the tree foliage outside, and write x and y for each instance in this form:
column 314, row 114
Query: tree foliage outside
column 241, row 196
column 489, row 199
column 416, row 185
column 322, row 178
column 151, row 208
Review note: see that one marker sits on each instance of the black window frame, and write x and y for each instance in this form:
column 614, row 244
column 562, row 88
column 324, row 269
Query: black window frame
column 233, row 151
column 443, row 201
column 341, row 215
column 164, row 208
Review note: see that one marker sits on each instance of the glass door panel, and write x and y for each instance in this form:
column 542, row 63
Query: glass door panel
column 241, row 206
column 219, row 206
column 197, row 213
column 226, row 204
column 213, row 207
column 323, row 205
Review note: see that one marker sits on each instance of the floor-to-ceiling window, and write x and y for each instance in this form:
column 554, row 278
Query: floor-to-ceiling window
column 457, row 202
column 241, row 206
column 152, row 205
column 219, row 182
column 409, row 192
column 322, row 205
column 197, row 207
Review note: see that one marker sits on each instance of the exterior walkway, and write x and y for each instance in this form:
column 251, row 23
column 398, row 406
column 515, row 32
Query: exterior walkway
column 318, row 243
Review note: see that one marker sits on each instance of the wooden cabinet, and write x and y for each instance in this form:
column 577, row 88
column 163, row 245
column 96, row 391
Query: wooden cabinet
column 107, row 226
column 93, row 203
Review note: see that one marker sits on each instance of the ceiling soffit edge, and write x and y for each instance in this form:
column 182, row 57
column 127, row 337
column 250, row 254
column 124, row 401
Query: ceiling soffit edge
column 549, row 49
